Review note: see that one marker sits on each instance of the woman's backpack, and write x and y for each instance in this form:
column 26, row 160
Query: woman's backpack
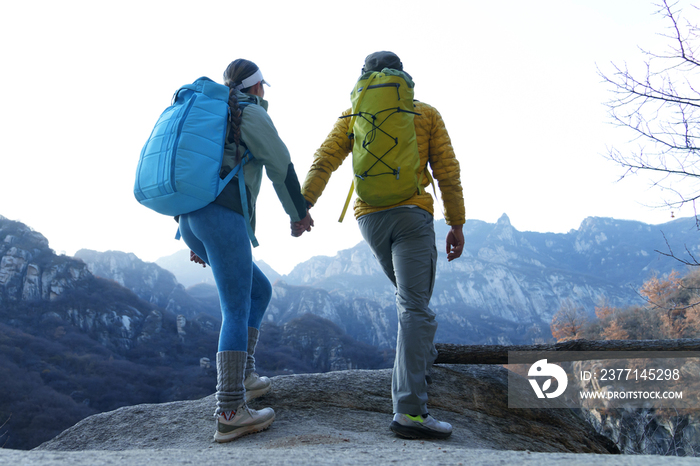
column 179, row 166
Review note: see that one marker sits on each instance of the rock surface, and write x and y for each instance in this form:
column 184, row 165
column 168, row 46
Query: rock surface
column 347, row 407
column 339, row 418
column 315, row 453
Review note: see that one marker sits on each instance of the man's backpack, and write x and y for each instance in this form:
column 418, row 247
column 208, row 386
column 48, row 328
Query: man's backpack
column 179, row 167
column 385, row 155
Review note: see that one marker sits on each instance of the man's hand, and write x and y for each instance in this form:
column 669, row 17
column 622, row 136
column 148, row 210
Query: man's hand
column 196, row 259
column 305, row 224
column 454, row 242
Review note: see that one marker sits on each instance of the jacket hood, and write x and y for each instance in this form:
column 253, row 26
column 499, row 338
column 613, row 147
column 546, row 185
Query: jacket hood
column 250, row 98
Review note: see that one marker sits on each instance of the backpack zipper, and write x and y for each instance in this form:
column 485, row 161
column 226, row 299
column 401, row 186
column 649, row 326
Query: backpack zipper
column 177, row 140
column 375, row 86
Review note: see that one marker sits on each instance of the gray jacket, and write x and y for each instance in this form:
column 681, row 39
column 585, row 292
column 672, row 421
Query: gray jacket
column 259, row 135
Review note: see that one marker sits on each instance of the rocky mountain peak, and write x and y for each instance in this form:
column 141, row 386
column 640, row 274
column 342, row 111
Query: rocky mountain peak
column 16, row 234
column 503, row 232
column 503, row 221
column 147, row 280
column 29, row 270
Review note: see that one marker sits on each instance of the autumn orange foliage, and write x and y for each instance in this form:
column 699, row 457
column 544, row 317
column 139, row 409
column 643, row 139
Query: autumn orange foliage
column 568, row 322
column 672, row 310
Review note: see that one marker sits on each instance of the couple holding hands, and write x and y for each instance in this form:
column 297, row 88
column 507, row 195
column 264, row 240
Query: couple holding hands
column 401, row 237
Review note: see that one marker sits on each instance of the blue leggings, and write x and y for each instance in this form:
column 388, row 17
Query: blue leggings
column 219, row 237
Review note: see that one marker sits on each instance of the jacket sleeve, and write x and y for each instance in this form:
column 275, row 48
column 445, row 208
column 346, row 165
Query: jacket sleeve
column 446, row 171
column 327, row 159
column 261, row 137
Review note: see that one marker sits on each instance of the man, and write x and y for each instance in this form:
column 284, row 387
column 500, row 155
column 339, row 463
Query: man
column 402, row 238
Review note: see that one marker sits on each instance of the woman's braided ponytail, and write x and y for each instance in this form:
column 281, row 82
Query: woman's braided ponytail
column 234, row 75
column 234, row 120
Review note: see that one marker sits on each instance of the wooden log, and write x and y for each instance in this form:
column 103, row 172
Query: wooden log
column 498, row 354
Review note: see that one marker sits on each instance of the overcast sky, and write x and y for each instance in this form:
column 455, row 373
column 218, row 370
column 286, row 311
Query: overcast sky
column 516, row 83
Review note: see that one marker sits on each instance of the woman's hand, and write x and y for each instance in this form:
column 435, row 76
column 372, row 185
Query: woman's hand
column 196, row 259
column 305, row 224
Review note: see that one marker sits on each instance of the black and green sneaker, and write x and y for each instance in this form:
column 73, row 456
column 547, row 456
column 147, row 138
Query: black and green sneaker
column 423, row 426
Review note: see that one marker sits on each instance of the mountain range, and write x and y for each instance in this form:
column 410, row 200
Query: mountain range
column 100, row 330
column 503, row 290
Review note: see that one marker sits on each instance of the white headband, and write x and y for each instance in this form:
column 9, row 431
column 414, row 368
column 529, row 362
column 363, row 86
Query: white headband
column 255, row 78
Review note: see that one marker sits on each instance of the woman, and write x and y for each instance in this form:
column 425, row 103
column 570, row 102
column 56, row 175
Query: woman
column 218, row 236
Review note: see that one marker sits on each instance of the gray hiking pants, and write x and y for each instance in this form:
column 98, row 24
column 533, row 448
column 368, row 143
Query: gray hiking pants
column 403, row 241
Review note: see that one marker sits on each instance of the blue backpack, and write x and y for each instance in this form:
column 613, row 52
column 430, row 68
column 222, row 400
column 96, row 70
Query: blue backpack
column 179, row 166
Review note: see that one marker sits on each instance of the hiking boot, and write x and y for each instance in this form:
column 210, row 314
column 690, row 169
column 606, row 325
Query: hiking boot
column 256, row 386
column 230, row 425
column 424, row 426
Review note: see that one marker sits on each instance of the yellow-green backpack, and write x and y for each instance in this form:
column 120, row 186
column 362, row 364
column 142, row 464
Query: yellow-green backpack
column 385, row 155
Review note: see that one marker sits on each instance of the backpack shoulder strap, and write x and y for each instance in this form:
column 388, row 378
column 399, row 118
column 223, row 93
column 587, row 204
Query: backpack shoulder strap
column 238, row 170
column 359, row 101
column 350, row 133
column 244, row 198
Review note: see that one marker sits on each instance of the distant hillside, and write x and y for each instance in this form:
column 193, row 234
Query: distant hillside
column 147, row 280
column 190, row 274
column 504, row 289
column 73, row 343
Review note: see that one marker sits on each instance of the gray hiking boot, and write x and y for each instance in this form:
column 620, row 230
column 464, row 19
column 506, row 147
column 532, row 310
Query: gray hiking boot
column 231, row 425
column 424, row 426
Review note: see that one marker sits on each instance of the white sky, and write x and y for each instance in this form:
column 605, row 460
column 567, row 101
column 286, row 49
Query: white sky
column 516, row 82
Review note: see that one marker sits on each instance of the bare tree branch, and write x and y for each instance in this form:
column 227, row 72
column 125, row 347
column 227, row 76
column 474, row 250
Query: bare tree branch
column 662, row 110
column 693, row 262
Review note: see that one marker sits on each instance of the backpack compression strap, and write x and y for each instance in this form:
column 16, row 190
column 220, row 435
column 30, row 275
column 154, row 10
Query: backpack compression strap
column 347, row 202
column 244, row 198
column 352, row 185
column 351, row 134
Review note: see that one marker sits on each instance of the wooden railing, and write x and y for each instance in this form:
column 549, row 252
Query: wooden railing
column 497, row 354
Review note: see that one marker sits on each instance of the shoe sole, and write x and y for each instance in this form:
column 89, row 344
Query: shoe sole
column 253, row 394
column 414, row 433
column 223, row 438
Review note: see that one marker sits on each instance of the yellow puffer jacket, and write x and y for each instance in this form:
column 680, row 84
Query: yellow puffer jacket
column 434, row 146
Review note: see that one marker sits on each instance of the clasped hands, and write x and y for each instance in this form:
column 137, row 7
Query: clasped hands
column 305, row 224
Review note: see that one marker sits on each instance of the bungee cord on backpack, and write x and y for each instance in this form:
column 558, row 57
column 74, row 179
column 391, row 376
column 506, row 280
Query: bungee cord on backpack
column 371, row 136
column 384, row 139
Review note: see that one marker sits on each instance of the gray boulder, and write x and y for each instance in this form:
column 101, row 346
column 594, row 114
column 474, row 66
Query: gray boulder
column 347, row 407
column 340, row 418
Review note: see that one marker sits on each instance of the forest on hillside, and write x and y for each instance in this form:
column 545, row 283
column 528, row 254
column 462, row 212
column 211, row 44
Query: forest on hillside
column 670, row 311
column 54, row 373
